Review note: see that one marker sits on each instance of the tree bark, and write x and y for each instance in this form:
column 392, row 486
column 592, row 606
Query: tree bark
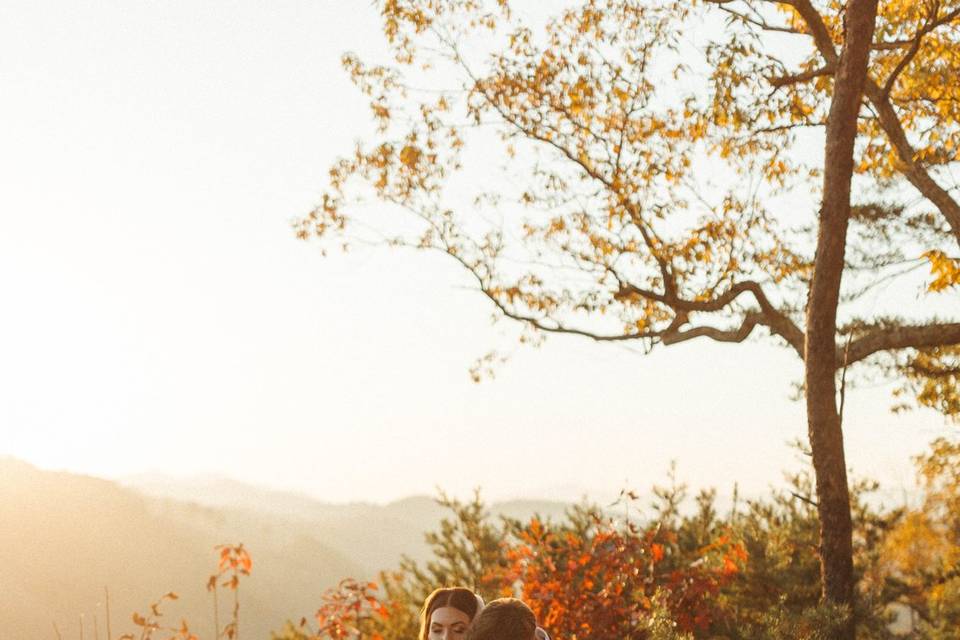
column 823, row 418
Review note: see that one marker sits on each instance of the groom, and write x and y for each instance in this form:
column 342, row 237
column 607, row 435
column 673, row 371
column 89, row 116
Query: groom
column 506, row 619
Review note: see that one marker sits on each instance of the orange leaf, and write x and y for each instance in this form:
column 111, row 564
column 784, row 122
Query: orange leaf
column 656, row 551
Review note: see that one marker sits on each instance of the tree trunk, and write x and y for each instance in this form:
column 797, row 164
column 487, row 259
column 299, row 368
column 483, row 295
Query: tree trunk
column 823, row 419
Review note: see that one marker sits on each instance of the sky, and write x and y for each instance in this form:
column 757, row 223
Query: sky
column 159, row 315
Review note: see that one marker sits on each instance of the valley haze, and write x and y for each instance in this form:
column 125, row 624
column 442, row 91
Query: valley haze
column 65, row 537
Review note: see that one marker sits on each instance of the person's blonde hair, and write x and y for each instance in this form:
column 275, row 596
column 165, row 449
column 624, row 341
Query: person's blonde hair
column 460, row 598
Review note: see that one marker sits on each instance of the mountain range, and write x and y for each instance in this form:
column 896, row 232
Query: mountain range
column 66, row 540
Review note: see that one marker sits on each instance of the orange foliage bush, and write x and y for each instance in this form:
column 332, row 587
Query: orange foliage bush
column 591, row 578
column 605, row 582
column 347, row 609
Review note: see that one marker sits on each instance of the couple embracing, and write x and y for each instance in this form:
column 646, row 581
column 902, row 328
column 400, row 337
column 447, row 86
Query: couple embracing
column 458, row 613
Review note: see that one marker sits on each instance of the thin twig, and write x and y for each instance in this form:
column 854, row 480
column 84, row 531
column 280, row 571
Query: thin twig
column 843, row 375
column 109, row 631
column 216, row 615
column 806, row 499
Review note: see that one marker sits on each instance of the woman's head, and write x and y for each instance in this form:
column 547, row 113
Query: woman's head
column 506, row 619
column 447, row 613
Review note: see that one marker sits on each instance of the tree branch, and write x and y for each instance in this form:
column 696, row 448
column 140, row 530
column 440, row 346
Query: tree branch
column 769, row 316
column 783, row 81
column 763, row 24
column 932, row 23
column 739, row 334
column 899, row 44
column 913, row 171
column 904, row 62
column 904, row 337
column 818, row 29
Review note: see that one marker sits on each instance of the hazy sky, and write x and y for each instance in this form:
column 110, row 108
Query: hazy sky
column 159, row 315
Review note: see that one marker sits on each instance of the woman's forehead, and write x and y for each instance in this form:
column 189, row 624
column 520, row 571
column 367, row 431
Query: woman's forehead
column 449, row 615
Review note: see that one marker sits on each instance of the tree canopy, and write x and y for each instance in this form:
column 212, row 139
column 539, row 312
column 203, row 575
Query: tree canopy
column 661, row 171
column 660, row 167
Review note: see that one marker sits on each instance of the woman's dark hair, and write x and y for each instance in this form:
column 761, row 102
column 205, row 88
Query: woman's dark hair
column 459, row 598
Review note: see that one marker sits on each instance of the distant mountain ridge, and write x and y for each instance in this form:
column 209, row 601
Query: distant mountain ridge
column 64, row 537
column 375, row 536
column 216, row 491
